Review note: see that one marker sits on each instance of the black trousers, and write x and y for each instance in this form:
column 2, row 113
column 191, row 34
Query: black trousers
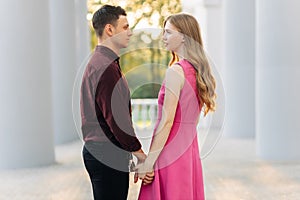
column 106, row 170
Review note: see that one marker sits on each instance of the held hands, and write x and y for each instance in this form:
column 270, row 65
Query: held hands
column 145, row 172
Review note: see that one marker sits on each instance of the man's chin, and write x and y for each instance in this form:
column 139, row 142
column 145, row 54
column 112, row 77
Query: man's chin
column 124, row 46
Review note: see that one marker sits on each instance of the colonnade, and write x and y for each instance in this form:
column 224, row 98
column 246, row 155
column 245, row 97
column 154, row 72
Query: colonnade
column 256, row 46
column 42, row 46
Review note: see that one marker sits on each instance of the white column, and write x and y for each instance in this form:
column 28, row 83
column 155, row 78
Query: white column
column 239, row 46
column 63, row 57
column 278, row 79
column 82, row 55
column 209, row 15
column 25, row 90
column 215, row 44
column 214, row 31
column 198, row 10
column 82, row 33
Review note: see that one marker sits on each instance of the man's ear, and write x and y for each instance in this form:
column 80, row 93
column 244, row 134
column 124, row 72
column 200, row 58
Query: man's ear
column 108, row 29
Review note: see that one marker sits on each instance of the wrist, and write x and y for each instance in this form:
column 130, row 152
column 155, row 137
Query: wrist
column 140, row 155
column 149, row 163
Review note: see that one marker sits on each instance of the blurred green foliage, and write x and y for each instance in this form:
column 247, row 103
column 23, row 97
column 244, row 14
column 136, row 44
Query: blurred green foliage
column 145, row 60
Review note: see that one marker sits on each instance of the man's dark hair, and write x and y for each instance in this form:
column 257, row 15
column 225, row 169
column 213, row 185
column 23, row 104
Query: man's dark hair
column 107, row 14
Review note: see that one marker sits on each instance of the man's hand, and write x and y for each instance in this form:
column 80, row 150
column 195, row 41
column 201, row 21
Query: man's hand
column 140, row 155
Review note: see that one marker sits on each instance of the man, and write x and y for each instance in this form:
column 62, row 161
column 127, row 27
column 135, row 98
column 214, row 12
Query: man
column 106, row 111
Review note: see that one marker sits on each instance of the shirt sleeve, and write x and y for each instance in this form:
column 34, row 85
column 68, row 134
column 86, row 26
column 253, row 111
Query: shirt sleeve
column 112, row 97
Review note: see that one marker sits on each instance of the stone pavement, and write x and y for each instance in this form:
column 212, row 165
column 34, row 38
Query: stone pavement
column 231, row 172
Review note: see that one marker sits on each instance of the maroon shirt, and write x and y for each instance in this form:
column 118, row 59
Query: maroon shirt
column 105, row 102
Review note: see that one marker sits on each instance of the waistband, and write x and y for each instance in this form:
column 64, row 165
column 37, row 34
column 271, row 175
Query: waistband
column 184, row 122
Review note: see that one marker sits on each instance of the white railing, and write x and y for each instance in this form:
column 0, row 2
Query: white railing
column 144, row 113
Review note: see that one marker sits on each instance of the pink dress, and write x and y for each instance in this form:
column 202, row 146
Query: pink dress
column 178, row 170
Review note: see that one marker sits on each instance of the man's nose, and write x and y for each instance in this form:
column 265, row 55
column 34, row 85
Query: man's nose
column 129, row 32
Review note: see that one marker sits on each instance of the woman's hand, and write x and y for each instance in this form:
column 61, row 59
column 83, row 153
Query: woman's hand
column 145, row 172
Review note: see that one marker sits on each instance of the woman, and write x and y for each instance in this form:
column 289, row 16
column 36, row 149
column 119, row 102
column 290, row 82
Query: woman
column 188, row 87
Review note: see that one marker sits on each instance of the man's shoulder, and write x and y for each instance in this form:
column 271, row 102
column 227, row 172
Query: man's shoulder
column 98, row 66
column 100, row 59
column 98, row 62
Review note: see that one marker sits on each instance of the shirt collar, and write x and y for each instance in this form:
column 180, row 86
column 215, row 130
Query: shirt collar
column 107, row 51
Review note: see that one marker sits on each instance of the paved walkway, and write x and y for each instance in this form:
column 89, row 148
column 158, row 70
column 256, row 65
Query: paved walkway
column 232, row 172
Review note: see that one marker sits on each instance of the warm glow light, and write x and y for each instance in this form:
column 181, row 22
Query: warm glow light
column 130, row 18
column 147, row 8
column 155, row 34
column 155, row 19
column 146, row 39
column 122, row 3
column 139, row 13
column 89, row 16
column 143, row 24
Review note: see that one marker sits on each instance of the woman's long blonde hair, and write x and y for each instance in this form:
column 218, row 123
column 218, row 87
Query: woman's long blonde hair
column 194, row 53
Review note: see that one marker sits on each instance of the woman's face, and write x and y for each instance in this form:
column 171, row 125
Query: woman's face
column 172, row 39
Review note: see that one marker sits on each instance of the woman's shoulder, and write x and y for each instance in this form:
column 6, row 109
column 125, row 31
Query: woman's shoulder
column 187, row 66
column 175, row 75
column 176, row 68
